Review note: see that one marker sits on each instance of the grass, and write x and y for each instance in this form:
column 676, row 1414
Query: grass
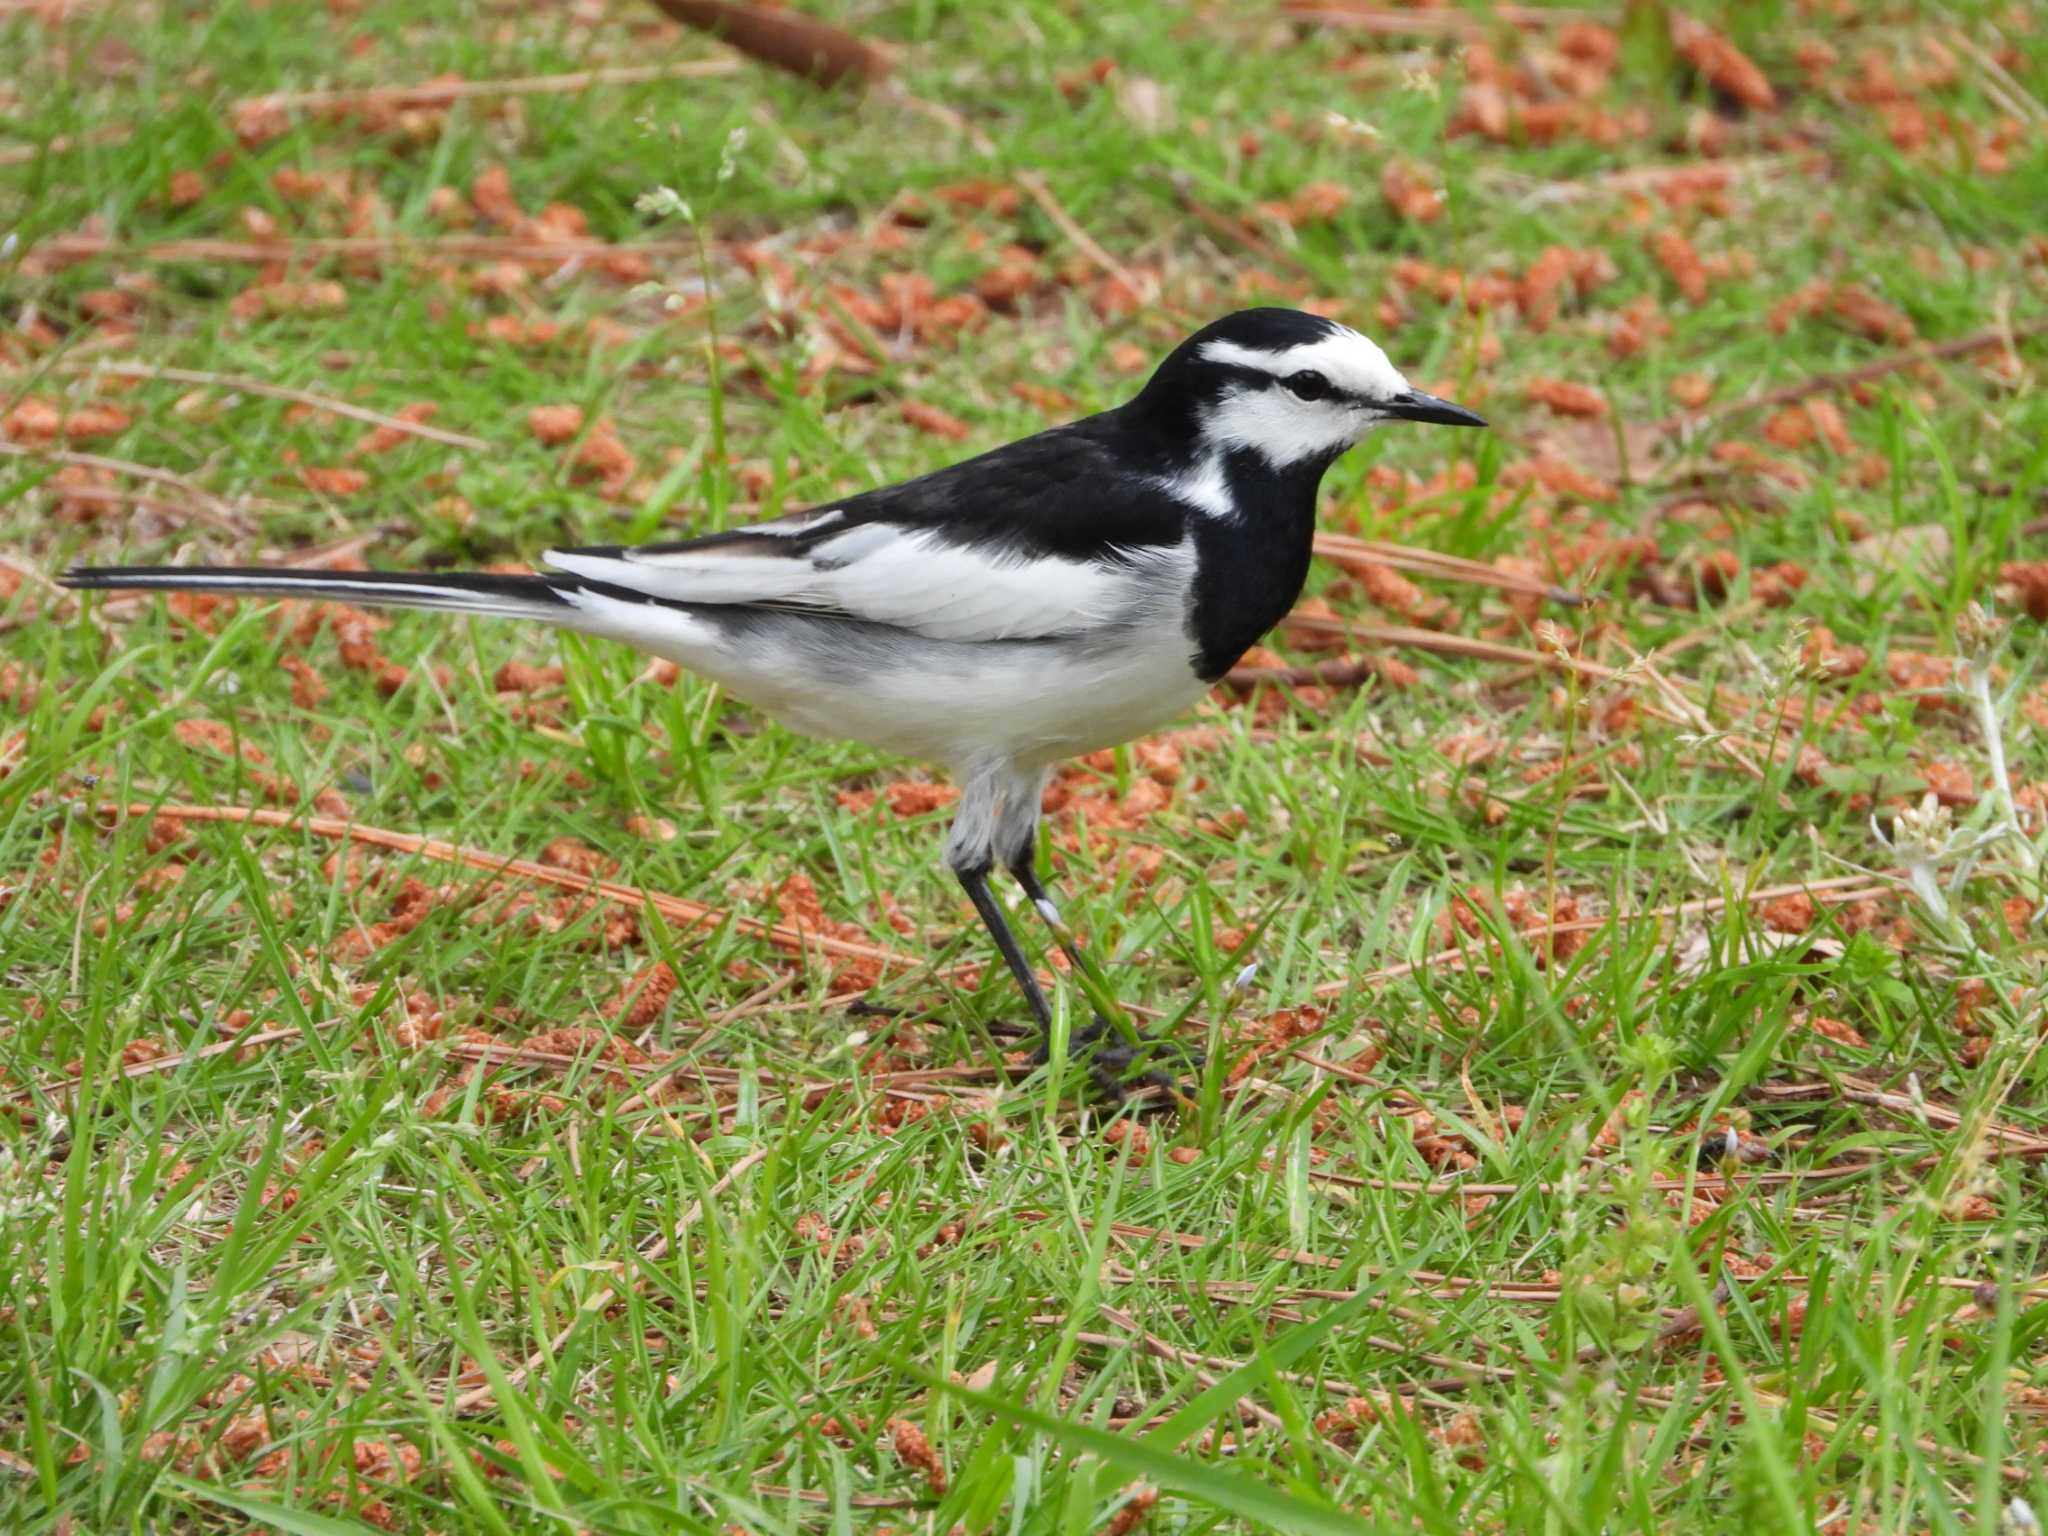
column 349, row 1276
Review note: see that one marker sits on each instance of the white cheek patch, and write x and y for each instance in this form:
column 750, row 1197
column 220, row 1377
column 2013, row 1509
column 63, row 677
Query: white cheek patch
column 1281, row 429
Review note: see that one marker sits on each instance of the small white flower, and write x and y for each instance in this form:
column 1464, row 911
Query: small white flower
column 1350, row 128
column 729, row 157
column 665, row 203
column 1422, row 82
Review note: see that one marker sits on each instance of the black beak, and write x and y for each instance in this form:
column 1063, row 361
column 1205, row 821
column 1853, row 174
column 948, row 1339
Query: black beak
column 1414, row 405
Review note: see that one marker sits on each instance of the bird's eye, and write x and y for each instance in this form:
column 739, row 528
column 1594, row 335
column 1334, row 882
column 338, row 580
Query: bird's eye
column 1308, row 385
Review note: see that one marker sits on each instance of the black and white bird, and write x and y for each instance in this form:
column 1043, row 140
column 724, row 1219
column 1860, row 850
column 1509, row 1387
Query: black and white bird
column 1067, row 592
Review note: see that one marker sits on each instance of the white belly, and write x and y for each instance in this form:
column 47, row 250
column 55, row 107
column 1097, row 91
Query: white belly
column 1032, row 705
column 1031, row 702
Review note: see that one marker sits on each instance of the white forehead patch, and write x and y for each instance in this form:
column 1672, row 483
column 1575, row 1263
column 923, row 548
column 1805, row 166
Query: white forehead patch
column 1284, row 429
column 1352, row 362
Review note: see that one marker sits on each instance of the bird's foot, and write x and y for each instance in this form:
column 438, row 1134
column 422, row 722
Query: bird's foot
column 1122, row 1069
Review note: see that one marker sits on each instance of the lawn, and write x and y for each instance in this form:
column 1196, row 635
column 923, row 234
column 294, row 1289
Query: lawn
column 1614, row 917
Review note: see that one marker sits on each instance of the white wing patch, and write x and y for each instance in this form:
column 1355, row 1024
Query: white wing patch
column 1205, row 487
column 907, row 578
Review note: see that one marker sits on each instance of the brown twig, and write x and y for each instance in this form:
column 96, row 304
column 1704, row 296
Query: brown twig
column 424, row 93
column 1197, row 1240
column 944, row 116
column 111, row 496
column 332, row 556
column 169, row 1062
column 1649, row 178
column 495, row 1053
column 63, row 143
column 824, row 1496
column 669, row 1070
column 1432, row 641
column 789, row 937
column 1998, row 82
column 935, row 1082
column 1836, row 890
column 1343, row 672
column 1845, row 378
column 205, row 500
column 439, row 93
column 788, row 40
column 1238, row 231
column 792, row 938
column 122, row 603
column 1676, row 709
column 1461, row 1383
column 1143, row 290
column 752, row 1005
column 68, row 248
column 1343, row 549
column 1500, row 1290
column 1159, row 1349
column 1857, row 1091
column 1709, row 1183
column 269, row 391
column 1430, row 23
column 1830, row 1425
column 1729, row 746
column 1458, row 956
column 1034, row 186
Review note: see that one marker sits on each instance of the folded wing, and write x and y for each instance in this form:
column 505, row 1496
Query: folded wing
column 1014, row 544
column 917, row 578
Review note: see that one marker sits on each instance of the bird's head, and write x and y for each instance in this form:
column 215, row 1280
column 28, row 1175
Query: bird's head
column 1292, row 388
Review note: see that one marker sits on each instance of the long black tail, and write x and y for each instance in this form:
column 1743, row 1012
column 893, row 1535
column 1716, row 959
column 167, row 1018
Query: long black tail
column 525, row 597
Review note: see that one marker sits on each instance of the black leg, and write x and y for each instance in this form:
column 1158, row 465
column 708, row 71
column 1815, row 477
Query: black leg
column 1117, row 1061
column 976, row 883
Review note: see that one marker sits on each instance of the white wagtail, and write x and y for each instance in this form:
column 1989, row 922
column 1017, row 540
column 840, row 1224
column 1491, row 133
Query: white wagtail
column 1067, row 592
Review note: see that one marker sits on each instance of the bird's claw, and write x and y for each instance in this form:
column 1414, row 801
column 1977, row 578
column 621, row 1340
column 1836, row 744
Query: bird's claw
column 1121, row 1069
